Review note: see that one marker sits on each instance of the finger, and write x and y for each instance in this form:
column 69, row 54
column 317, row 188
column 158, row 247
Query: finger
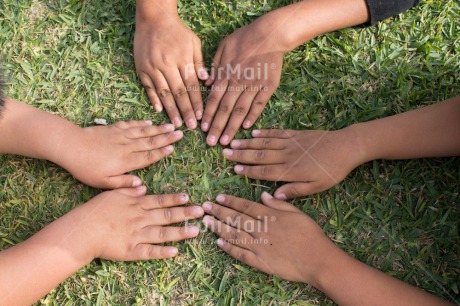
column 255, row 157
column 139, row 123
column 258, row 144
column 270, row 201
column 229, row 233
column 163, row 201
column 201, row 71
column 229, row 216
column 273, row 173
column 148, row 131
column 141, row 160
column 257, row 107
column 238, row 114
column 162, row 234
column 215, row 65
column 132, row 192
column 222, row 115
column 252, row 209
column 217, row 92
column 194, row 92
column 296, row 190
column 167, row 99
column 181, row 96
column 283, row 134
column 151, row 92
column 150, row 252
column 155, row 142
column 171, row 215
column 123, row 181
column 246, row 256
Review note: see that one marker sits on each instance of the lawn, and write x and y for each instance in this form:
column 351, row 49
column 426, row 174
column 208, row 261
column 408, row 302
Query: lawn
column 74, row 59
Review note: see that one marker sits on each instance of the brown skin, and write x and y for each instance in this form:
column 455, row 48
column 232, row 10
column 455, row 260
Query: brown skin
column 288, row 243
column 98, row 156
column 169, row 61
column 122, row 225
column 264, row 42
column 313, row 161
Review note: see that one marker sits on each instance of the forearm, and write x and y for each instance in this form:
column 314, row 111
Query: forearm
column 153, row 9
column 348, row 281
column 297, row 23
column 31, row 269
column 427, row 132
column 34, row 133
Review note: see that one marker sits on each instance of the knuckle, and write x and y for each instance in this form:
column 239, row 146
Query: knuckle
column 167, row 213
column 215, row 130
column 241, row 256
column 224, row 109
column 239, row 110
column 164, row 93
column 149, row 155
column 259, row 155
column 152, row 142
column 266, row 142
column 162, row 233
column 193, row 86
column 263, row 170
column 160, row 201
column 180, row 92
column 166, row 59
column 121, row 124
column 259, row 103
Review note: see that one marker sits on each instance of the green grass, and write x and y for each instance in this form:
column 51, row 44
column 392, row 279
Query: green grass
column 74, row 58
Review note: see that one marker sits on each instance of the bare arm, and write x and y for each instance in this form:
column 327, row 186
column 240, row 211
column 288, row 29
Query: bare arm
column 121, row 225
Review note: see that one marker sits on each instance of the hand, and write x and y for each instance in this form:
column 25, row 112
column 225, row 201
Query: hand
column 126, row 225
column 277, row 238
column 168, row 60
column 101, row 155
column 313, row 160
column 246, row 73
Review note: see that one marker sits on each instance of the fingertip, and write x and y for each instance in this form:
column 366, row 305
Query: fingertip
column 178, row 134
column 281, row 196
column 136, row 182
column 239, row 169
column 211, row 140
column 204, row 126
column 169, row 127
column 266, row 196
column 168, row 149
column 172, row 251
column 235, row 144
column 255, row 133
column 220, row 242
column 191, row 124
column 141, row 190
column 227, row 153
column 183, row 198
column 247, row 124
column 148, row 122
column 199, row 115
column 197, row 211
column 203, row 74
column 220, row 198
column 158, row 108
column 192, row 231
column 225, row 140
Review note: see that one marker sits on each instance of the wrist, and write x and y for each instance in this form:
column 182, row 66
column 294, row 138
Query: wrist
column 148, row 11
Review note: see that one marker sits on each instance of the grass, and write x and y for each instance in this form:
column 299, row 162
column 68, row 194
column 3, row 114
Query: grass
column 74, row 58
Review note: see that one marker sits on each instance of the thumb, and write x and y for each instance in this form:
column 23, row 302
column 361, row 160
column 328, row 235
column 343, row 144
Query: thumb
column 271, row 202
column 201, row 72
column 296, row 190
column 121, row 181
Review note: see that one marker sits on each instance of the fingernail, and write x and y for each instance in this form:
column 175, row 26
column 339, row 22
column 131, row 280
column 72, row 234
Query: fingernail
column 220, row 242
column 173, row 251
column 169, row 149
column 220, row 198
column 224, row 139
column 207, row 206
column 212, row 139
column 227, row 152
column 235, row 144
column 191, row 124
column 247, row 124
column 141, row 188
column 256, row 133
column 137, row 182
column 199, row 114
column 203, row 74
column 197, row 211
column 204, row 126
column 269, row 196
column 281, row 196
column 169, row 127
column 148, row 122
column 157, row 108
column 177, row 122
column 239, row 168
column 178, row 133
column 184, row 198
column 207, row 221
column 191, row 230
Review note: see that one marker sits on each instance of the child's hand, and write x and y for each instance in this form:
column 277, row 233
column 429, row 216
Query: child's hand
column 169, row 61
column 125, row 225
column 247, row 70
column 102, row 154
column 314, row 160
column 277, row 238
